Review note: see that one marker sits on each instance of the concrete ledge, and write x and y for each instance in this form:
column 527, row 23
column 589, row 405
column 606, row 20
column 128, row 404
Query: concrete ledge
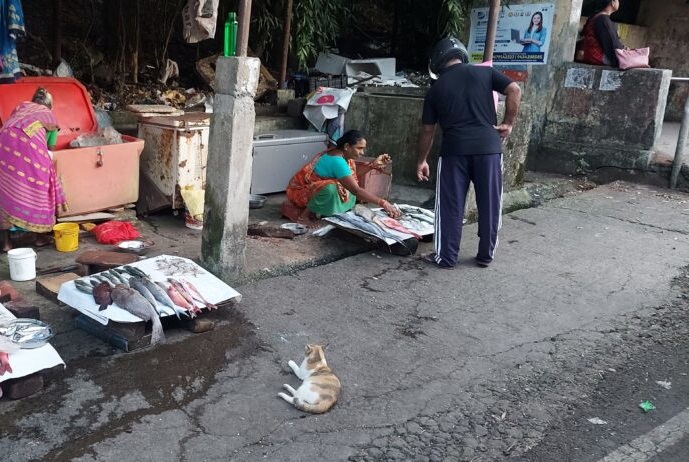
column 602, row 117
column 581, row 158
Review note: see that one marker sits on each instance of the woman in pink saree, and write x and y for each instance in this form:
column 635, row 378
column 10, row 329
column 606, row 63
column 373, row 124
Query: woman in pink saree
column 30, row 192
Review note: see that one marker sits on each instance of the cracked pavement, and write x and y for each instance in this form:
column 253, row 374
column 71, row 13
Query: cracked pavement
column 470, row 364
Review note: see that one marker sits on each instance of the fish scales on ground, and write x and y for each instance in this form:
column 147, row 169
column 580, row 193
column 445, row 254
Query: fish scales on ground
column 132, row 301
column 162, row 296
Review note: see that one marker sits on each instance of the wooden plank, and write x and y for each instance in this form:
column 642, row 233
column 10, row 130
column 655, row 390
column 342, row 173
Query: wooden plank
column 131, row 338
column 50, row 286
column 105, row 258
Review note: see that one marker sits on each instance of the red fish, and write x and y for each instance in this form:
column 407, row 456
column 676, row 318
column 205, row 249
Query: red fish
column 196, row 295
column 397, row 226
column 179, row 300
column 187, row 296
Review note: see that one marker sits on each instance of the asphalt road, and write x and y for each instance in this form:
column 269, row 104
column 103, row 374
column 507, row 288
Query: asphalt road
column 579, row 317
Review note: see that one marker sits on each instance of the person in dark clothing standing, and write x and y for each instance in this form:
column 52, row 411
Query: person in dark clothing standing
column 599, row 36
column 461, row 102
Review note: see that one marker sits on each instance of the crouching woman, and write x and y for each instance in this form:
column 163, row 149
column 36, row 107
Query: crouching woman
column 328, row 184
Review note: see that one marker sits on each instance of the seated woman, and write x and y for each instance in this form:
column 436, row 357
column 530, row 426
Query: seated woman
column 599, row 37
column 30, row 191
column 328, row 184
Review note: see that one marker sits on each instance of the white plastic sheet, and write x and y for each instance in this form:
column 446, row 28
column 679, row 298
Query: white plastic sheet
column 212, row 289
column 27, row 362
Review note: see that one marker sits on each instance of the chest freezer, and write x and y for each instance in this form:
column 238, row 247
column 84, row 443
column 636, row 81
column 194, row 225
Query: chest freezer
column 278, row 155
column 93, row 178
column 175, row 153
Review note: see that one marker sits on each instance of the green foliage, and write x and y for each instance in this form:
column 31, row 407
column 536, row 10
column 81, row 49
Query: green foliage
column 267, row 19
column 316, row 25
column 453, row 16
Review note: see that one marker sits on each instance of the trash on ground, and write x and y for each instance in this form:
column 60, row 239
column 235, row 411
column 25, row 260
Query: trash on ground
column 597, row 421
column 647, row 406
column 667, row 385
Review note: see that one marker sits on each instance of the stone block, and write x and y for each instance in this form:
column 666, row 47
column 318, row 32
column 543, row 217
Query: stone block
column 23, row 311
column 284, row 97
column 244, row 74
column 602, row 117
column 295, row 107
column 8, row 292
column 23, row 386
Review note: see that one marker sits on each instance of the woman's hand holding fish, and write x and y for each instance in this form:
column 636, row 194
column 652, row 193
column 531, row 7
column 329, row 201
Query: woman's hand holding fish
column 390, row 209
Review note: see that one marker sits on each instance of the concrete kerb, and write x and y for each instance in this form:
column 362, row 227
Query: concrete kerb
column 171, row 237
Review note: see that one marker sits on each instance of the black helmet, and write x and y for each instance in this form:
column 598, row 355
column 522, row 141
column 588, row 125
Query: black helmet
column 445, row 50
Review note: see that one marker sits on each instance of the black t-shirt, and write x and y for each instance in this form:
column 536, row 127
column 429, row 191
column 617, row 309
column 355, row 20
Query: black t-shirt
column 461, row 102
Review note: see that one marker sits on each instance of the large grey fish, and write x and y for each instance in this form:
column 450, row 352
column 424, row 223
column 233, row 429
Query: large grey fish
column 132, row 301
column 136, row 284
column 160, row 295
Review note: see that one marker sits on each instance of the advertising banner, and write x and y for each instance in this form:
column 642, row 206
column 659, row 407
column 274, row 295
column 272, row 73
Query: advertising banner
column 523, row 35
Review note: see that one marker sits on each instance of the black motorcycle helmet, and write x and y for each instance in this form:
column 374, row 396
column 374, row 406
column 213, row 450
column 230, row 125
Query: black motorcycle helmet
column 445, row 50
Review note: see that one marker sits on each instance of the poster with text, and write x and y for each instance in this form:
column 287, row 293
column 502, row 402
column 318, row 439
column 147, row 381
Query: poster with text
column 523, row 35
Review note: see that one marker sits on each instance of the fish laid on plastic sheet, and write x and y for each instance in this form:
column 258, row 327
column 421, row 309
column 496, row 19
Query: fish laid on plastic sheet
column 130, row 300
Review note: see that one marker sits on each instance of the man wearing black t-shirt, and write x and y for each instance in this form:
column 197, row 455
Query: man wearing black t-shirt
column 461, row 102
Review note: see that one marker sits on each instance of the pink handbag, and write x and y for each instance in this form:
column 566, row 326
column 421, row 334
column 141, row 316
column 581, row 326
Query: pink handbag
column 632, row 58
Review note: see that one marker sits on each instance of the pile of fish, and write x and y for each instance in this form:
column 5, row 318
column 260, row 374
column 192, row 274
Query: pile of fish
column 413, row 221
column 416, row 218
column 134, row 291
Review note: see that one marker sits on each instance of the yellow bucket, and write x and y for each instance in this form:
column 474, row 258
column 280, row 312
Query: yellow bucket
column 66, row 237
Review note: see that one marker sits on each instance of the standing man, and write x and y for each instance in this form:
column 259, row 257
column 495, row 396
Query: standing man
column 461, row 102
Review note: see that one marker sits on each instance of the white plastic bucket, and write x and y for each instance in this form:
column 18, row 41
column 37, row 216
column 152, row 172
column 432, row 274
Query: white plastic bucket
column 22, row 264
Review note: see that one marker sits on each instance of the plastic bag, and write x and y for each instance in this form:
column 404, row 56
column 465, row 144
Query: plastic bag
column 113, row 232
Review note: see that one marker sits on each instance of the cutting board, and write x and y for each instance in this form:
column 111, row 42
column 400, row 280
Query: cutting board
column 49, row 286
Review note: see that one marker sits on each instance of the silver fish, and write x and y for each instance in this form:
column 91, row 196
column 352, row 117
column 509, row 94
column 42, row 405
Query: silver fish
column 109, row 277
column 132, row 301
column 136, row 284
column 160, row 295
column 121, row 279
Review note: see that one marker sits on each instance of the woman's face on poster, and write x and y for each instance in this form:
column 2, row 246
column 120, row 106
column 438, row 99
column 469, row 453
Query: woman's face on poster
column 537, row 19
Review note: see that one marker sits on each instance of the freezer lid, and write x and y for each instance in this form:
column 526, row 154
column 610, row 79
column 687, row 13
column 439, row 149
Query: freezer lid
column 71, row 104
column 188, row 120
column 284, row 137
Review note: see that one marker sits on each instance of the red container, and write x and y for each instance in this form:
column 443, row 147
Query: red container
column 94, row 178
column 373, row 181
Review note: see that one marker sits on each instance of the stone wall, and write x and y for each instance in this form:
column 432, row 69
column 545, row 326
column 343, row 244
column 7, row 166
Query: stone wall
column 601, row 117
column 391, row 119
column 668, row 33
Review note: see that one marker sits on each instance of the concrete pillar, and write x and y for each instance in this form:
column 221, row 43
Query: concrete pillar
column 228, row 169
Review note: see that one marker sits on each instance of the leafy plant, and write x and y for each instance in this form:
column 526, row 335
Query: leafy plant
column 453, row 16
column 316, row 25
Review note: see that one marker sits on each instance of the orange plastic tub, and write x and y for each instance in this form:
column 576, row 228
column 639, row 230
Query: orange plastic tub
column 94, row 178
